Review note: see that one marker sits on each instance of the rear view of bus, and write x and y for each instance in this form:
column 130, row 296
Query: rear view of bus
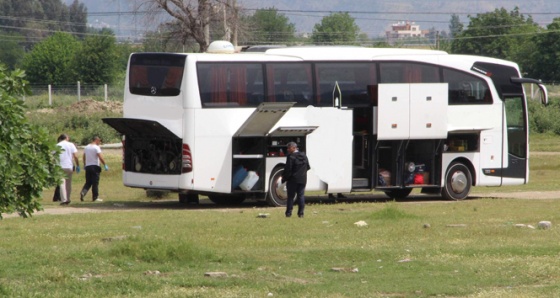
column 154, row 153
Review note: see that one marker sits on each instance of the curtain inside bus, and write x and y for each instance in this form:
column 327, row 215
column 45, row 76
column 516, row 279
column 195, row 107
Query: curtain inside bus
column 230, row 84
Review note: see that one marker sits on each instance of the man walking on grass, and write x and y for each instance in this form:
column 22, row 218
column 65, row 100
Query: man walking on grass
column 92, row 156
column 295, row 174
column 68, row 156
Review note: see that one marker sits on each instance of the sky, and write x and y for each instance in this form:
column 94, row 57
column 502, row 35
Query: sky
column 373, row 17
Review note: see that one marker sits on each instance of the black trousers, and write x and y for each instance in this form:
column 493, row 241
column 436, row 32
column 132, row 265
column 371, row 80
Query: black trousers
column 295, row 190
column 93, row 173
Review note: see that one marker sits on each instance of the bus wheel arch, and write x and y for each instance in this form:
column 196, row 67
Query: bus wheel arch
column 458, row 180
column 274, row 197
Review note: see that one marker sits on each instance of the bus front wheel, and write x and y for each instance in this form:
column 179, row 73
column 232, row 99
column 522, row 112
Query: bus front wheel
column 276, row 196
column 458, row 181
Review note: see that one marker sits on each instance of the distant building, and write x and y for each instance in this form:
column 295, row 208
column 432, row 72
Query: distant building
column 404, row 30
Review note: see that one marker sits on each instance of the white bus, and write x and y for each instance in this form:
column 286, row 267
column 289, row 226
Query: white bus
column 368, row 118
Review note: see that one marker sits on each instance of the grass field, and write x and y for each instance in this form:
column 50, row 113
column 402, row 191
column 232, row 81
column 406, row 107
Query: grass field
column 158, row 248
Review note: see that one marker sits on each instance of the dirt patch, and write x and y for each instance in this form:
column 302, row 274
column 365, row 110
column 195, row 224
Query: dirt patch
column 89, row 106
column 86, row 106
column 377, row 197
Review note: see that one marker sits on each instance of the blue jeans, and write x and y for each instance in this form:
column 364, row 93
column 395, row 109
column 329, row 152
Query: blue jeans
column 295, row 190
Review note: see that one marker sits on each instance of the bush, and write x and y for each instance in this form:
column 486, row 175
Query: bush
column 27, row 162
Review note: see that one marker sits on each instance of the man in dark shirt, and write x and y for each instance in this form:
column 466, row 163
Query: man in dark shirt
column 295, row 174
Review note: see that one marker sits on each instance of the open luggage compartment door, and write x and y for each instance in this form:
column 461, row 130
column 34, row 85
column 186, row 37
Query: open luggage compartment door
column 263, row 119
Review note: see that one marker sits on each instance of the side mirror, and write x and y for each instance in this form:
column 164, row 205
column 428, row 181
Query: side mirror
column 542, row 93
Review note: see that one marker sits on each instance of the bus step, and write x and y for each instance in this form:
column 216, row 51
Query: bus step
column 360, row 183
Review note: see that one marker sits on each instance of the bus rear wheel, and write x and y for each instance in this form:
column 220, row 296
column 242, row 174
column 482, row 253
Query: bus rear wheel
column 276, row 195
column 398, row 193
column 458, row 181
column 227, row 199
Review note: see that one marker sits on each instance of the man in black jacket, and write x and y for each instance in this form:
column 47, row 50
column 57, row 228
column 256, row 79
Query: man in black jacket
column 295, row 174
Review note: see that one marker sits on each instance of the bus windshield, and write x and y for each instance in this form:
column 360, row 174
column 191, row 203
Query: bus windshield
column 156, row 74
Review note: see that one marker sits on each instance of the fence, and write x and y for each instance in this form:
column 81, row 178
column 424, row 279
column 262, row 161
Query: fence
column 77, row 92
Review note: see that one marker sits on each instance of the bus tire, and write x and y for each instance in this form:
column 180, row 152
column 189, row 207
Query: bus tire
column 188, row 198
column 400, row 193
column 227, row 199
column 457, row 183
column 273, row 197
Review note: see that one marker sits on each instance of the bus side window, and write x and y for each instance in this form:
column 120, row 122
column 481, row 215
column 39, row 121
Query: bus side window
column 466, row 88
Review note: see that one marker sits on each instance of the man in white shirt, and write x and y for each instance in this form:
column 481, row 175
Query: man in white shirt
column 92, row 156
column 68, row 155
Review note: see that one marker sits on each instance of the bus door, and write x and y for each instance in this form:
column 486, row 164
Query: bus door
column 516, row 126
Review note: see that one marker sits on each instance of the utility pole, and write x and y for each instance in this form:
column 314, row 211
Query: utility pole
column 235, row 22
column 227, row 31
column 206, row 10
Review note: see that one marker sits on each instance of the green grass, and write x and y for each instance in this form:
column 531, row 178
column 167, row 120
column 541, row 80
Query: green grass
column 119, row 254
column 115, row 254
column 472, row 248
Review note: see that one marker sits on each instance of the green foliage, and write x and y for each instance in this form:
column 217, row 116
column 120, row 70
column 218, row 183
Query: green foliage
column 96, row 59
column 498, row 34
column 455, row 26
column 35, row 19
column 269, row 27
column 50, row 61
column 27, row 162
column 11, row 52
column 545, row 119
column 337, row 28
column 546, row 59
column 79, row 125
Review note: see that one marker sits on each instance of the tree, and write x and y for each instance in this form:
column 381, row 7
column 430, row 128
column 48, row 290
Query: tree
column 27, row 162
column 337, row 28
column 77, row 16
column 50, row 61
column 193, row 16
column 455, row 26
column 36, row 19
column 270, row 27
column 499, row 34
column 11, row 49
column 546, row 59
column 95, row 61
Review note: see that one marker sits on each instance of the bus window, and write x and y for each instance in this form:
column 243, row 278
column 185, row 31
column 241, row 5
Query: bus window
column 290, row 82
column 352, row 78
column 230, row 84
column 465, row 88
column 407, row 72
column 156, row 74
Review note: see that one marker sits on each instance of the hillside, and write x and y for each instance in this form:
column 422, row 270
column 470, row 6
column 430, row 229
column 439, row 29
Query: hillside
column 373, row 17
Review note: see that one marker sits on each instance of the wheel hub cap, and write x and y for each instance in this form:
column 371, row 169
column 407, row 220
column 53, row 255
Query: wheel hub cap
column 458, row 182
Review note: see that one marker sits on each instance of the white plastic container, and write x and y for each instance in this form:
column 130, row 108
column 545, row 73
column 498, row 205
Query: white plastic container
column 249, row 181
